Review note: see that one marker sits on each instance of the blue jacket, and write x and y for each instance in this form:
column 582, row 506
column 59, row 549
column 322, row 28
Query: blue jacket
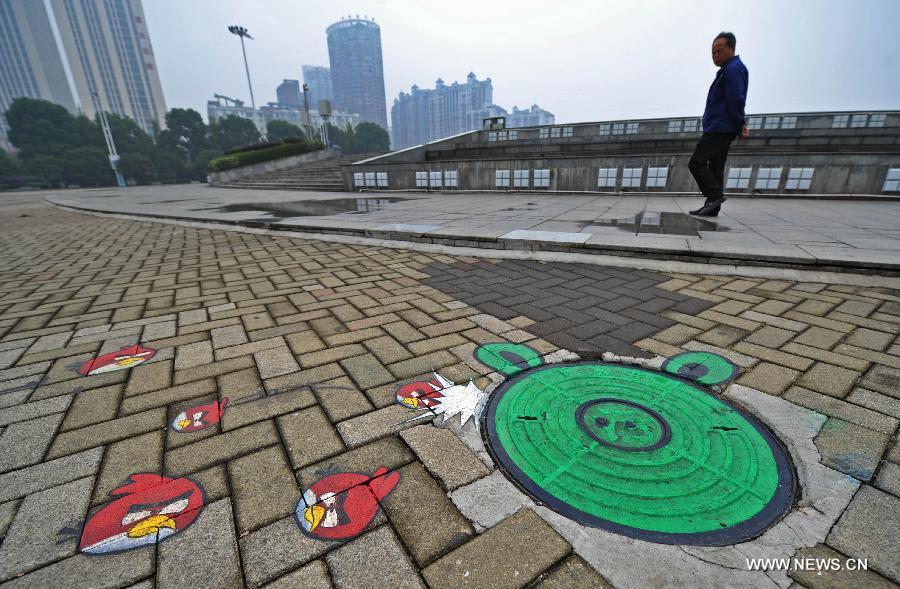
column 725, row 102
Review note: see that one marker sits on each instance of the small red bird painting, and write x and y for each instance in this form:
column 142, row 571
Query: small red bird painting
column 127, row 357
column 200, row 417
column 420, row 394
column 340, row 506
column 150, row 508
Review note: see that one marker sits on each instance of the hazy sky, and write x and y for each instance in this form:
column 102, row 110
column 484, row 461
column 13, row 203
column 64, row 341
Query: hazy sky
column 581, row 60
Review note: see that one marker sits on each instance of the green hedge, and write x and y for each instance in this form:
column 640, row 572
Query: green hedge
column 236, row 160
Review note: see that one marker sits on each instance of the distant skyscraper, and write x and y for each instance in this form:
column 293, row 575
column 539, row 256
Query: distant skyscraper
column 357, row 71
column 30, row 63
column 426, row 115
column 108, row 49
column 288, row 92
column 529, row 117
column 318, row 79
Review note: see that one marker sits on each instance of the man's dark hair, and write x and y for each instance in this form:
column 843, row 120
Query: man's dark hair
column 730, row 39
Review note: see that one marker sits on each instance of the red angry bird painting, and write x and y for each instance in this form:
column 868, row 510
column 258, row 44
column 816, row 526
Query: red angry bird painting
column 340, row 506
column 127, row 357
column 200, row 417
column 421, row 394
column 149, row 509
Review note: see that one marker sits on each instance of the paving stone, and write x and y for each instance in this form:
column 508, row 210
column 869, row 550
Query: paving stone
column 572, row 572
column 276, row 549
column 195, row 354
column 366, row 371
column 7, row 512
column 774, row 320
column 841, row 409
column 851, row 449
column 24, row 443
column 770, row 337
column 192, row 317
column 374, row 555
column 422, row 364
column 328, row 355
column 819, row 337
column 722, row 335
column 149, row 377
column 493, row 559
column 869, row 338
column 389, row 453
column 308, row 436
column 161, row 330
column 769, row 378
column 838, row 358
column 136, row 454
column 875, row 401
column 888, row 478
column 263, row 488
column 774, row 356
column 33, row 539
column 304, row 342
column 214, row 369
column 828, row 379
column 110, row 571
column 203, row 555
column 28, row 411
column 99, row 434
column 883, row 379
column 861, row 308
column 247, row 410
column 868, row 529
column 417, row 498
column 174, row 394
column 445, row 456
column 22, row 482
column 227, row 446
column 275, row 362
column 378, row 424
column 232, row 335
column 250, row 348
column 93, row 406
column 834, row 579
column 677, row 334
column 311, row 576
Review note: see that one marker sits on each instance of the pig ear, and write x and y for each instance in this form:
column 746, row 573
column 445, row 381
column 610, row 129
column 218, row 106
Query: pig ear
column 222, row 405
column 383, row 483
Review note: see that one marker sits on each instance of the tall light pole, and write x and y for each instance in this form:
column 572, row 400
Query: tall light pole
column 242, row 32
column 107, row 136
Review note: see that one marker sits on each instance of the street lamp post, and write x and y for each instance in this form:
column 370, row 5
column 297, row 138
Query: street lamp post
column 306, row 107
column 242, row 32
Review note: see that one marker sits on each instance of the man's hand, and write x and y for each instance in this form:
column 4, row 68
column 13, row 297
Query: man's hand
column 745, row 132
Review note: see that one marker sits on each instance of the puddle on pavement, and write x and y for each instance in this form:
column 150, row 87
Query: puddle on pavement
column 311, row 208
column 665, row 223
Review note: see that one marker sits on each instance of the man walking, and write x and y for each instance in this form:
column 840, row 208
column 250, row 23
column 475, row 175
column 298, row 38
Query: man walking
column 723, row 120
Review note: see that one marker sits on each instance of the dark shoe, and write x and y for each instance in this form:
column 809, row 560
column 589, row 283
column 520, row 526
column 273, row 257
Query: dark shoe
column 710, row 208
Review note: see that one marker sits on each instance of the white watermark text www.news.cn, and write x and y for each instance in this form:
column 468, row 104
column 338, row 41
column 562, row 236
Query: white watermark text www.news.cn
column 807, row 564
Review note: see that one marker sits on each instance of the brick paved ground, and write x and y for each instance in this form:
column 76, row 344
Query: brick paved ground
column 310, row 340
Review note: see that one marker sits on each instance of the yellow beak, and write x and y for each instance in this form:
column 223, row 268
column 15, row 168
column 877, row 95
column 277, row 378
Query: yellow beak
column 411, row 401
column 314, row 515
column 184, row 423
column 151, row 525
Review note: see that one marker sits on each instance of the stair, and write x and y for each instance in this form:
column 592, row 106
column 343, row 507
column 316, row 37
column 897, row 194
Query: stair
column 323, row 175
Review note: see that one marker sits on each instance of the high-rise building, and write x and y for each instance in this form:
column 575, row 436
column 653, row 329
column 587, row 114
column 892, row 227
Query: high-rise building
column 288, row 93
column 529, row 117
column 357, row 71
column 107, row 46
column 30, row 62
column 318, row 80
column 426, row 115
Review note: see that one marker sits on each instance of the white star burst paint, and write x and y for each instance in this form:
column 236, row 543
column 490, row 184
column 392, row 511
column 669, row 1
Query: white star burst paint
column 456, row 399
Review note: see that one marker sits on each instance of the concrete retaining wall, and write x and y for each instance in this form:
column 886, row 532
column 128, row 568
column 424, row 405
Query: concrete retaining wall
column 225, row 176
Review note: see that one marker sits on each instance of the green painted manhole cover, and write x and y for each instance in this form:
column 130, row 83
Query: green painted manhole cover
column 641, row 453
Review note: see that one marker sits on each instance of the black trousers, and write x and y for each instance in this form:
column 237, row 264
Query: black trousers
column 708, row 163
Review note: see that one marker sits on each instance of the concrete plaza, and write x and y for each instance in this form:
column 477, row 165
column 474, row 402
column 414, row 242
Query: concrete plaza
column 310, row 340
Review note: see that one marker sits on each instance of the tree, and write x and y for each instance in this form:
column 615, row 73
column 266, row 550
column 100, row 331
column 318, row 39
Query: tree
column 169, row 166
column 201, row 163
column 136, row 167
column 8, row 166
column 342, row 137
column 87, row 166
column 47, row 167
column 370, row 138
column 280, row 130
column 233, row 131
column 185, row 133
column 129, row 137
column 40, row 127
